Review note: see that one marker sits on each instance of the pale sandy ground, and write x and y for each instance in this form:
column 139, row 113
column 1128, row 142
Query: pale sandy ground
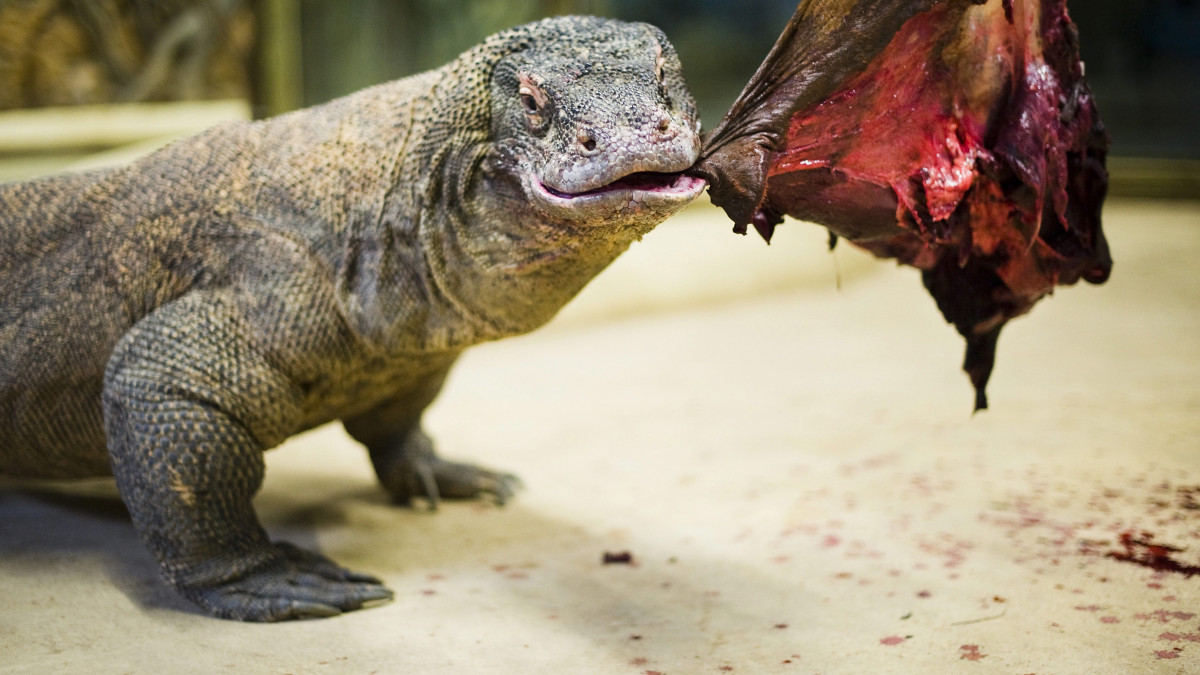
column 793, row 467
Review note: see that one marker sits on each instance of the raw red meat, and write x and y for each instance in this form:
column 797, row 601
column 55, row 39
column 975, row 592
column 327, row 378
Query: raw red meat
column 957, row 136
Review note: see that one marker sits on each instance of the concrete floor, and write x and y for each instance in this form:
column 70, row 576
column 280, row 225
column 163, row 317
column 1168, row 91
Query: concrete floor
column 793, row 467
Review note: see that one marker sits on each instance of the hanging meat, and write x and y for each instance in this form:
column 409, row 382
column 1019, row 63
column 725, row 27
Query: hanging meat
column 956, row 136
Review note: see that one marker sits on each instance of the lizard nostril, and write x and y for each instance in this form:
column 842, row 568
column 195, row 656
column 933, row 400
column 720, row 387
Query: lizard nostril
column 666, row 128
column 587, row 140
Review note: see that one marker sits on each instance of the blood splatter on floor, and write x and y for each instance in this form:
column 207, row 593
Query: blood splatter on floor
column 1140, row 549
column 1168, row 653
column 971, row 653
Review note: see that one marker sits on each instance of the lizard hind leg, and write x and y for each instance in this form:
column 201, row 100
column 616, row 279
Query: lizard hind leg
column 410, row 468
column 189, row 408
column 403, row 454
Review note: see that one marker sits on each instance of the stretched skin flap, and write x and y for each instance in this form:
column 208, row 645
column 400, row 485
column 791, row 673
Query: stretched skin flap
column 956, row 136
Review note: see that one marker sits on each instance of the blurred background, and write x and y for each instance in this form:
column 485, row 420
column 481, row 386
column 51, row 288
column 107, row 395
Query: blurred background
column 263, row 57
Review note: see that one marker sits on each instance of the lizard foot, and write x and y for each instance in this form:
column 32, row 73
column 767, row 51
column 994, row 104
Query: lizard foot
column 292, row 584
column 433, row 478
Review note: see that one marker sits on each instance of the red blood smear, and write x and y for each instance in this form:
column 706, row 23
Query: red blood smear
column 1140, row 550
column 971, row 653
column 1164, row 616
column 1176, row 637
column 891, row 640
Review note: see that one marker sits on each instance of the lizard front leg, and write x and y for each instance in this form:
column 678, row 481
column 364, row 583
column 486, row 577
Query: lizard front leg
column 189, row 409
column 404, row 458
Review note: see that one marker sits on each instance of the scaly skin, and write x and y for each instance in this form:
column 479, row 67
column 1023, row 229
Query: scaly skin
column 170, row 321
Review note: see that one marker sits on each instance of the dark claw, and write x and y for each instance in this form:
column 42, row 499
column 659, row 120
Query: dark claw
column 502, row 486
column 429, row 484
column 311, row 610
column 435, row 479
column 294, row 584
column 362, row 578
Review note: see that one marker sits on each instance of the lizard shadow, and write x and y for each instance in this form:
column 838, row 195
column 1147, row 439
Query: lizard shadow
column 86, row 523
column 518, row 554
column 45, row 522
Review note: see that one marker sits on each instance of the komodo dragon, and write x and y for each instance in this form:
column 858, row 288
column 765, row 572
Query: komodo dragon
column 169, row 321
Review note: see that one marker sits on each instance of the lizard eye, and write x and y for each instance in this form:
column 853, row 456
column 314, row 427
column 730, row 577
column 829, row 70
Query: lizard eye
column 532, row 97
column 534, row 102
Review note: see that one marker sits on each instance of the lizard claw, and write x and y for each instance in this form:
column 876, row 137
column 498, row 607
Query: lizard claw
column 434, row 479
column 291, row 584
column 412, row 470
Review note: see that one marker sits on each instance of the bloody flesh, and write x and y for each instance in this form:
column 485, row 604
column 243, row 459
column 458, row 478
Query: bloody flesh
column 965, row 143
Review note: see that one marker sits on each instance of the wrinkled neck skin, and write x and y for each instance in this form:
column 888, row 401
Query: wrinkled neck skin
column 502, row 266
column 472, row 259
column 508, row 181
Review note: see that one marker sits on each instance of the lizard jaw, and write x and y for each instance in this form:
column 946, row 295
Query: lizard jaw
column 653, row 193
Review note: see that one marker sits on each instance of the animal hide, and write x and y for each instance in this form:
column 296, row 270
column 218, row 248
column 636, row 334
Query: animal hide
column 956, row 136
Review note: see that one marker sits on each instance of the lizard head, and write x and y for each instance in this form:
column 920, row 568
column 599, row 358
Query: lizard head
column 597, row 125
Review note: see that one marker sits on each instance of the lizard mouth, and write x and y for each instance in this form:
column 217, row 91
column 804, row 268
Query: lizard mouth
column 649, row 190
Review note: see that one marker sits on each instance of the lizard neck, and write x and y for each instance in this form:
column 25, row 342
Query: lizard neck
column 432, row 239
column 502, row 266
column 450, row 251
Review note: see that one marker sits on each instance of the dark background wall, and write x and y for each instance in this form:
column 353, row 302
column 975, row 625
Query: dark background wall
column 1143, row 58
column 1143, row 63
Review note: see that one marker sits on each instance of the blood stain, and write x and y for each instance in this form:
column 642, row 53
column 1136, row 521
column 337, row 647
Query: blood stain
column 617, row 558
column 1109, row 619
column 971, row 653
column 1164, row 616
column 1141, row 550
column 891, row 640
column 1176, row 637
column 923, row 594
column 1168, row 653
